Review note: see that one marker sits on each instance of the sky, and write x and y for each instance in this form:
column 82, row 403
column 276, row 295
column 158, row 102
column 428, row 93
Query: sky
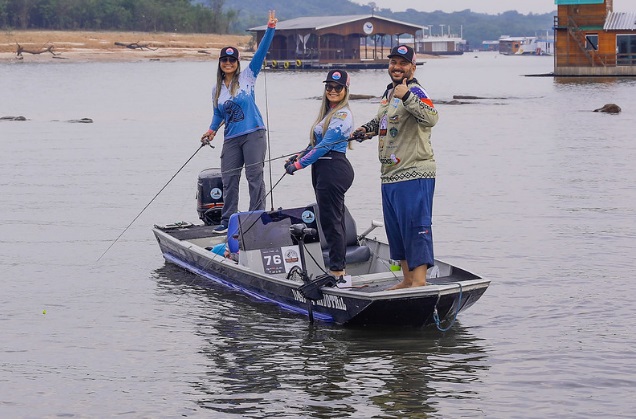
column 483, row 6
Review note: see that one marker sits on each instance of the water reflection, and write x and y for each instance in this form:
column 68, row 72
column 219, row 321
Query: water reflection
column 261, row 361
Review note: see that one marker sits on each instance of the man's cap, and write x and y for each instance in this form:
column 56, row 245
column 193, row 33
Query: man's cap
column 403, row 51
column 229, row 52
column 339, row 77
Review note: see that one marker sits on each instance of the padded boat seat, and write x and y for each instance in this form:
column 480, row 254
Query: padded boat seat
column 354, row 252
column 232, row 233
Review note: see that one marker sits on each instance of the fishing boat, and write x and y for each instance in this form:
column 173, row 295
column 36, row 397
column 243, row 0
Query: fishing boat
column 280, row 257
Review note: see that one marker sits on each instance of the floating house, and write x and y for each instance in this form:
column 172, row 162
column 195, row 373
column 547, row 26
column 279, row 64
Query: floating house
column 593, row 40
column 440, row 45
column 525, row 45
column 356, row 41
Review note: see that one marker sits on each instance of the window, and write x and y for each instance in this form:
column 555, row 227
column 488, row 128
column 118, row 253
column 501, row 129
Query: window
column 591, row 42
column 626, row 49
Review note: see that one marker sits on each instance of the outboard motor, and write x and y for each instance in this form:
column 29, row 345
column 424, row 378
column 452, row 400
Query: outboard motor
column 210, row 196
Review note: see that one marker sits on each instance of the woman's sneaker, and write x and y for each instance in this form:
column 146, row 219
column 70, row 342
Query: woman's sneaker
column 220, row 229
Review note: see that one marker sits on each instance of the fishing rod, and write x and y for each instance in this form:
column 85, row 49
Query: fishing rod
column 155, row 197
column 359, row 137
column 269, row 146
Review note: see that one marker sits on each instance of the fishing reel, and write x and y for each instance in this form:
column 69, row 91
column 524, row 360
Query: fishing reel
column 359, row 136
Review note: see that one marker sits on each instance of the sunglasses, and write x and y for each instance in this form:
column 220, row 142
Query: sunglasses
column 337, row 87
column 228, row 60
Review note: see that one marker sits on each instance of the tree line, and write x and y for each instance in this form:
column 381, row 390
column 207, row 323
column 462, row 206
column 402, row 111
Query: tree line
column 215, row 16
column 123, row 15
column 474, row 27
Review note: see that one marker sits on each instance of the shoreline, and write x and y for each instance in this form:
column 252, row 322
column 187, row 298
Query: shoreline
column 96, row 46
column 99, row 46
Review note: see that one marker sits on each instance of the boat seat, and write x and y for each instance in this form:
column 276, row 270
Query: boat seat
column 232, row 233
column 355, row 253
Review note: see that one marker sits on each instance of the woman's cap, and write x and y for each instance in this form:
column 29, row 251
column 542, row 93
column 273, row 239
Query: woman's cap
column 403, row 51
column 229, row 52
column 339, row 77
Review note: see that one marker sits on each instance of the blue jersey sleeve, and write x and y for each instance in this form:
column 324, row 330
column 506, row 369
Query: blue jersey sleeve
column 336, row 137
column 259, row 56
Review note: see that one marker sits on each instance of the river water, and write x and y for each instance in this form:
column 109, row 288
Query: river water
column 534, row 191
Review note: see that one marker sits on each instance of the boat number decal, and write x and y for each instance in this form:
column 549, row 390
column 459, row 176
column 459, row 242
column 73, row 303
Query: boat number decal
column 280, row 260
column 216, row 193
column 273, row 261
column 308, row 216
column 329, row 301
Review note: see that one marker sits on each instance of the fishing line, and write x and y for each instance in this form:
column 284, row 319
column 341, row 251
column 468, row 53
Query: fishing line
column 155, row 197
column 281, row 178
column 284, row 156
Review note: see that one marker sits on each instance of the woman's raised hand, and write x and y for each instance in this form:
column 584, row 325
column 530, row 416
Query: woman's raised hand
column 272, row 19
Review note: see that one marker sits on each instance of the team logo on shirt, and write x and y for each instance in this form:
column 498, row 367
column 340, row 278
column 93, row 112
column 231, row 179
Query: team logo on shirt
column 421, row 94
column 340, row 115
column 233, row 111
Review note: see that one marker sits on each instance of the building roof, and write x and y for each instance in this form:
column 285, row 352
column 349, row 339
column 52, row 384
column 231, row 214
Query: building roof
column 620, row 21
column 321, row 22
column 571, row 2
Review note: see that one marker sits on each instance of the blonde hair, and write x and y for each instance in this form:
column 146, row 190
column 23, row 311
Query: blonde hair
column 327, row 112
column 234, row 83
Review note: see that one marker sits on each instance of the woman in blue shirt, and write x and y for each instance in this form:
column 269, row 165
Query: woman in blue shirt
column 331, row 172
column 234, row 103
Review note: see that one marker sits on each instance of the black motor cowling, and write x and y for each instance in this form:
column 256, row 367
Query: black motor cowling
column 210, row 196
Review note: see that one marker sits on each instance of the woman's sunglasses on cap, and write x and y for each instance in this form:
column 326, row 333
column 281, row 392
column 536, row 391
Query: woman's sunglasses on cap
column 228, row 60
column 337, row 87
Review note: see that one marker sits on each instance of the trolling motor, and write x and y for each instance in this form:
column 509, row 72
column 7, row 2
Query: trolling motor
column 311, row 290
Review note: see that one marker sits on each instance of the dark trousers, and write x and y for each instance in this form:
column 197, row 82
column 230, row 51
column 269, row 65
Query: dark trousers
column 248, row 150
column 331, row 177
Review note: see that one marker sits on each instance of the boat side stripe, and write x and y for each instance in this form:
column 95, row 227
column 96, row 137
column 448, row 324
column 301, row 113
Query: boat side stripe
column 172, row 259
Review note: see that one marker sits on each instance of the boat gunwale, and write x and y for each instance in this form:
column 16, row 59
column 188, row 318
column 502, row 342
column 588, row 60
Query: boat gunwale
column 450, row 288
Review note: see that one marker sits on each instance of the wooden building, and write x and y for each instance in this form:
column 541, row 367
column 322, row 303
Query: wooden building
column 356, row 41
column 440, row 45
column 593, row 40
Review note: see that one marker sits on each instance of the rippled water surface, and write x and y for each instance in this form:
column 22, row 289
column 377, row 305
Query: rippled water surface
column 534, row 191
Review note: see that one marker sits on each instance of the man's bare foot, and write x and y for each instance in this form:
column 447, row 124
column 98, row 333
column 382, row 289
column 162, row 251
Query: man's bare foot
column 404, row 284
column 401, row 285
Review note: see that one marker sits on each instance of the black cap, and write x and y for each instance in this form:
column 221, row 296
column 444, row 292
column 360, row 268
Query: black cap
column 403, row 51
column 229, row 52
column 339, row 77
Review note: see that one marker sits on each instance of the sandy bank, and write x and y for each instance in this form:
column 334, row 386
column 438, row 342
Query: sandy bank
column 86, row 46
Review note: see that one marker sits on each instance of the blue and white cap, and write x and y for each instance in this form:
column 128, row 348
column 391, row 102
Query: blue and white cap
column 339, row 77
column 229, row 52
column 403, row 51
